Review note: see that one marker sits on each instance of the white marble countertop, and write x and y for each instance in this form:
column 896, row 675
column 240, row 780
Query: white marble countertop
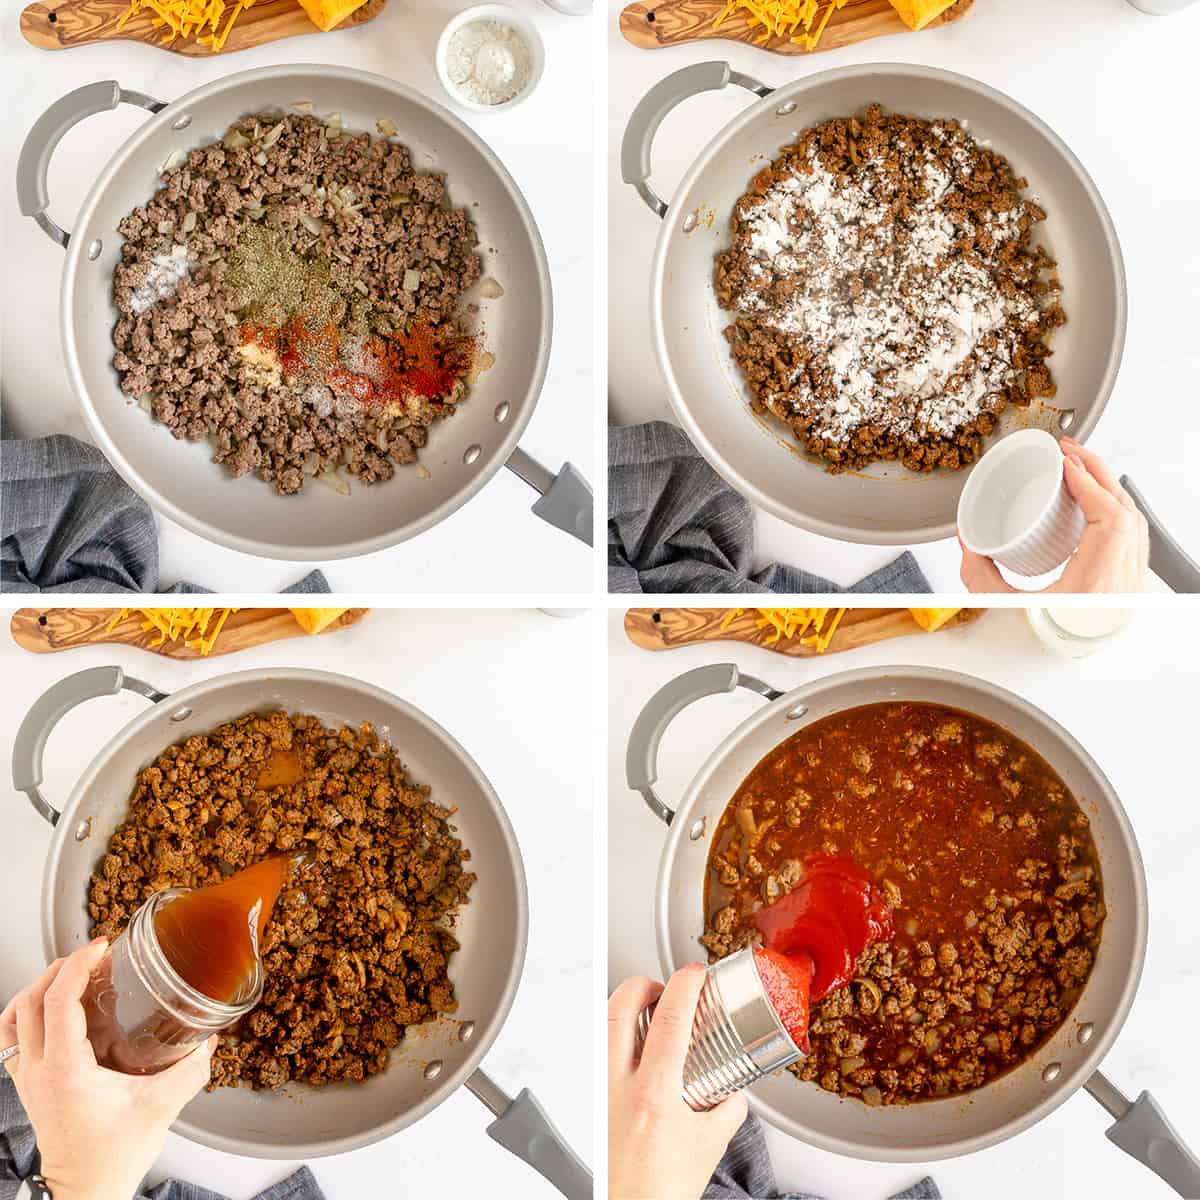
column 515, row 688
column 1113, row 83
column 1132, row 708
column 493, row 543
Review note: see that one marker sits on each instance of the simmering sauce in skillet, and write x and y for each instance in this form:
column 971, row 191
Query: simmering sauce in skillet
column 987, row 863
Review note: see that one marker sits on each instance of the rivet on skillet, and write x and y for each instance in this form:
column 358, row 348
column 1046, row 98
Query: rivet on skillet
column 698, row 827
column 433, row 1069
column 83, row 830
column 471, row 453
column 502, row 410
column 1066, row 420
column 794, row 714
column 182, row 122
column 784, row 109
column 181, row 714
column 94, row 250
column 689, row 222
column 1052, row 1072
column 466, row 1031
column 1085, row 1032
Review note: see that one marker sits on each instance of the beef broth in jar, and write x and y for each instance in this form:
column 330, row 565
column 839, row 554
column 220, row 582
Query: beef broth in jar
column 186, row 967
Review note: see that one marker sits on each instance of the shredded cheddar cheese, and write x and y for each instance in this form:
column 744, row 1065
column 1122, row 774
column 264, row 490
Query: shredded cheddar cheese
column 794, row 622
column 782, row 18
column 208, row 21
column 189, row 625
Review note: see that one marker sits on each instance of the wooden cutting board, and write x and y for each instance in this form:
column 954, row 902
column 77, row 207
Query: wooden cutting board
column 670, row 628
column 46, row 630
column 653, row 24
column 64, row 24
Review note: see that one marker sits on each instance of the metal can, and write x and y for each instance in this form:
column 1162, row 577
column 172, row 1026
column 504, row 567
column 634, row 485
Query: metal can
column 737, row 1039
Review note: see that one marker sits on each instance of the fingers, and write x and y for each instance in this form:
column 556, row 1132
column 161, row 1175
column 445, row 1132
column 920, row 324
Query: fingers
column 181, row 1081
column 1099, row 470
column 624, row 1005
column 728, row 1116
column 64, row 1020
column 8, row 1033
column 31, row 1032
column 671, row 1029
column 1100, row 505
column 980, row 574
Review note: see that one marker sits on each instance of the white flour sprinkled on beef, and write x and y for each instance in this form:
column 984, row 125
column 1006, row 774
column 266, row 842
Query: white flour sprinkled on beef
column 888, row 302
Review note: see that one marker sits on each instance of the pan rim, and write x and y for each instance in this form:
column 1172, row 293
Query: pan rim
column 230, row 538
column 451, row 1082
column 1067, row 1084
column 668, row 232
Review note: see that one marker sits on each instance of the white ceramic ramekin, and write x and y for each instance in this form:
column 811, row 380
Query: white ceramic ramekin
column 505, row 15
column 1015, row 507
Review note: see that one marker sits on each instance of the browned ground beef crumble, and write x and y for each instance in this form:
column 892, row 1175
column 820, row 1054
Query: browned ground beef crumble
column 179, row 357
column 359, row 944
column 989, row 866
column 792, row 380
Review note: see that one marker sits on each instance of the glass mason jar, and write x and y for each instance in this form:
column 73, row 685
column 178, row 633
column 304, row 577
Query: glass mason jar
column 142, row 1015
column 1078, row 632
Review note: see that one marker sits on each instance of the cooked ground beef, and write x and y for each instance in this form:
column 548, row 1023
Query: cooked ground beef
column 275, row 195
column 986, row 860
column 360, row 941
column 888, row 300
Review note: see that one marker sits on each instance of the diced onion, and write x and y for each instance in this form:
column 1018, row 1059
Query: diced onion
column 333, row 480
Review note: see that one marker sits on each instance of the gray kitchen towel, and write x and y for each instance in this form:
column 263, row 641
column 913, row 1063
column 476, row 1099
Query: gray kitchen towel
column 674, row 525
column 744, row 1173
column 70, row 523
column 18, row 1159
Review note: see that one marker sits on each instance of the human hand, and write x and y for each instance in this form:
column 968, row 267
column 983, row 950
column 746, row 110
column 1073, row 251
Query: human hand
column 657, row 1146
column 98, row 1131
column 1114, row 552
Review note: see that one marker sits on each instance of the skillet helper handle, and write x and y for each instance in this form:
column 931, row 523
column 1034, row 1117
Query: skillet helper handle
column 33, row 195
column 1143, row 1132
column 29, row 746
column 523, row 1128
column 1168, row 559
column 641, row 755
column 566, row 498
column 665, row 95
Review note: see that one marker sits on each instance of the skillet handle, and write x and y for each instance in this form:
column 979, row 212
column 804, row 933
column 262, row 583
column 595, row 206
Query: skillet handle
column 29, row 746
column 523, row 1128
column 34, row 163
column 641, row 755
column 1168, row 559
column 656, row 104
column 566, row 498
column 1143, row 1132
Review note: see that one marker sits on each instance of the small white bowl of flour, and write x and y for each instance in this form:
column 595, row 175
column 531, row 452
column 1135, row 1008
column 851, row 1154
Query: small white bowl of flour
column 490, row 57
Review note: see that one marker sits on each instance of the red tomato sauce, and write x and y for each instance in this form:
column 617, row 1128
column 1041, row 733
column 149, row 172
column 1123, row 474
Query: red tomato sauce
column 814, row 935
